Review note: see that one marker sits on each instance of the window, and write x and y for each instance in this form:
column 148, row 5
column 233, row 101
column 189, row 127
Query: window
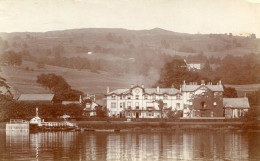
column 178, row 105
column 145, row 97
column 113, row 104
column 124, row 104
column 178, row 97
column 150, row 114
column 113, row 97
column 128, row 104
column 165, row 97
column 129, row 97
column 215, row 94
column 154, row 97
column 121, row 104
column 165, row 105
column 137, row 105
column 137, row 97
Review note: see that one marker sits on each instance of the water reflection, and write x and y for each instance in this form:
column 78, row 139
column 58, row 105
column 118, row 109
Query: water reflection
column 182, row 145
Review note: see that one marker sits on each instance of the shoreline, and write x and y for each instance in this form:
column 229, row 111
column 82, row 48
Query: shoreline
column 160, row 126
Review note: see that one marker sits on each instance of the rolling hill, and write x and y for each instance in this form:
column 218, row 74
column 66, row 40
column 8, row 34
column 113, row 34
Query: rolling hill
column 112, row 49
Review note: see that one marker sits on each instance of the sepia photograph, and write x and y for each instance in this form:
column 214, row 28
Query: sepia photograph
column 119, row 80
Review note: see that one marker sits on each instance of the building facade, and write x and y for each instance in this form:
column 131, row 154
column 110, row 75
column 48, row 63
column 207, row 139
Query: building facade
column 141, row 102
column 193, row 100
column 235, row 107
column 204, row 100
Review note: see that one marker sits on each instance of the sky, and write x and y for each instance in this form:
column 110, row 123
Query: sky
column 185, row 16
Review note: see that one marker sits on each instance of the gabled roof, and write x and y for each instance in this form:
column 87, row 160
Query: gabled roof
column 36, row 97
column 236, row 102
column 190, row 88
column 149, row 91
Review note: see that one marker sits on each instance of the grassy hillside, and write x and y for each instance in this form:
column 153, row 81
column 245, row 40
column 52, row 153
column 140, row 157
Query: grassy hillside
column 122, row 42
column 24, row 80
column 113, row 49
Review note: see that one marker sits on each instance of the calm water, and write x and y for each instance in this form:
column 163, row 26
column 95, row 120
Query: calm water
column 195, row 145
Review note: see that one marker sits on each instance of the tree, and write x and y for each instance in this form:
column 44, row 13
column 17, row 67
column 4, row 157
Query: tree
column 58, row 85
column 174, row 72
column 229, row 92
column 101, row 111
column 11, row 58
column 160, row 105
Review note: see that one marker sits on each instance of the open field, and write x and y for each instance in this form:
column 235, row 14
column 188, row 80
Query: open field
column 24, row 81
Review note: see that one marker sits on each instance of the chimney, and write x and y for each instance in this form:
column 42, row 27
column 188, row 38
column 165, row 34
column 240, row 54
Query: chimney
column 202, row 82
column 132, row 85
column 80, row 99
column 158, row 89
column 191, row 83
column 172, row 85
column 142, row 86
column 107, row 89
column 184, row 83
column 220, row 85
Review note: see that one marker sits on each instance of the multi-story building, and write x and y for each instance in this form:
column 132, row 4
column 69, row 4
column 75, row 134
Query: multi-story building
column 204, row 100
column 192, row 101
column 140, row 102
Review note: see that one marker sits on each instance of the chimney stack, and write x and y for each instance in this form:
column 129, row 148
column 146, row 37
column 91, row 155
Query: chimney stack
column 142, row 85
column 158, row 89
column 172, row 85
column 184, row 83
column 202, row 82
column 132, row 85
column 107, row 89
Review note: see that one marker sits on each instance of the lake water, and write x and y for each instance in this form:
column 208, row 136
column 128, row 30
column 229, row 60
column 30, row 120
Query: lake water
column 181, row 145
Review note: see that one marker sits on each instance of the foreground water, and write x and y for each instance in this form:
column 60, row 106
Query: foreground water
column 181, row 145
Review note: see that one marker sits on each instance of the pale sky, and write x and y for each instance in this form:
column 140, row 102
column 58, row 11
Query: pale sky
column 186, row 16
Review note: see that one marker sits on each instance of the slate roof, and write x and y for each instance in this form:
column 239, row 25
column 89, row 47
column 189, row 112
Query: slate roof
column 149, row 91
column 189, row 88
column 236, row 102
column 36, row 97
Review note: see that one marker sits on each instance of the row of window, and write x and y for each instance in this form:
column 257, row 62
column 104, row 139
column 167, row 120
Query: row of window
column 145, row 97
column 122, row 105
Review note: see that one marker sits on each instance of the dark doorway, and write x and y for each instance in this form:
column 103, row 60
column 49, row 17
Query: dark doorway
column 137, row 114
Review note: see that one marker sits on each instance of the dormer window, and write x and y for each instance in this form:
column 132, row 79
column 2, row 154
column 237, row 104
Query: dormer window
column 137, row 97
column 145, row 97
column 154, row 97
column 178, row 97
column 113, row 97
column 129, row 97
column 165, row 97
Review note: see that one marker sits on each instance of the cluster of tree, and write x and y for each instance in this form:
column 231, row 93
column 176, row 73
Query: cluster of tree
column 58, row 85
column 231, row 70
column 10, row 109
column 11, row 58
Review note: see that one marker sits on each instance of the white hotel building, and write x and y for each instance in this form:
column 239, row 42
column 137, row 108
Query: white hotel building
column 141, row 102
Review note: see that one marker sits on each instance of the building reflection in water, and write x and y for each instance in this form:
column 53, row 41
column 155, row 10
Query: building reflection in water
column 187, row 145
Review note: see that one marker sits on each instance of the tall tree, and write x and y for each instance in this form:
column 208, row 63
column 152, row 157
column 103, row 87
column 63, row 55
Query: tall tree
column 58, row 85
